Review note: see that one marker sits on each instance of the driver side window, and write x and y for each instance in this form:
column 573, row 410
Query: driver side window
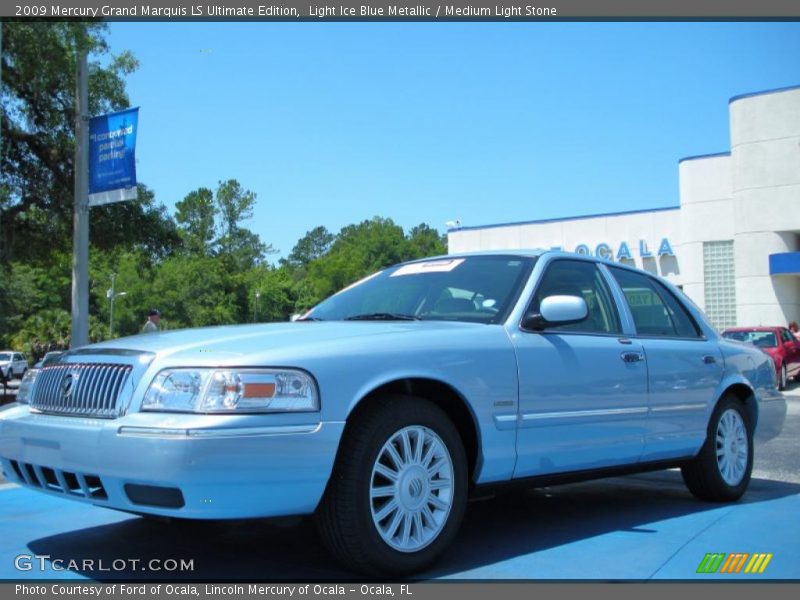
column 582, row 279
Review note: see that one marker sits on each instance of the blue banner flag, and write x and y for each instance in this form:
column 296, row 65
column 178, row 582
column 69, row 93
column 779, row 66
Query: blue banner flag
column 112, row 157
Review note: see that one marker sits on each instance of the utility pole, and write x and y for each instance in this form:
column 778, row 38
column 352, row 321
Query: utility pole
column 1, row 88
column 80, row 253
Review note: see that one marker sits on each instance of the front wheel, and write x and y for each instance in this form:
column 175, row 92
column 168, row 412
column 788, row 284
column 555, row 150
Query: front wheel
column 721, row 471
column 398, row 492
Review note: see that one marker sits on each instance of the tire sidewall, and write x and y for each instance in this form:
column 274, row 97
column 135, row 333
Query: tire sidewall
column 421, row 413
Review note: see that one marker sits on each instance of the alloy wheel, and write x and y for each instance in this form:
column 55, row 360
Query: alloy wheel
column 732, row 447
column 411, row 488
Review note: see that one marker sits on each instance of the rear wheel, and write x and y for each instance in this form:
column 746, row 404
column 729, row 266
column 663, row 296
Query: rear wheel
column 398, row 492
column 721, row 471
column 782, row 378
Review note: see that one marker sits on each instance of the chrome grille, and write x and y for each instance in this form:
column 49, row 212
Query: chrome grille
column 80, row 390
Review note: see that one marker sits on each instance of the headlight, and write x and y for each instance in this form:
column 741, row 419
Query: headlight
column 231, row 391
column 26, row 386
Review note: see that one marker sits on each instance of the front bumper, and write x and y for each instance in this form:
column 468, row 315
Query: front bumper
column 223, row 469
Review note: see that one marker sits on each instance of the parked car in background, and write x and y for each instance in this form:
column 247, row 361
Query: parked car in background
column 13, row 364
column 778, row 342
column 384, row 406
column 48, row 358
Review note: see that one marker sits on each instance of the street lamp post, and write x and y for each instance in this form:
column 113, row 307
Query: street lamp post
column 255, row 311
column 111, row 294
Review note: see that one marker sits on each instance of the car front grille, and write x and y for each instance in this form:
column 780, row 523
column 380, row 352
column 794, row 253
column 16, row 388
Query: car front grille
column 80, row 389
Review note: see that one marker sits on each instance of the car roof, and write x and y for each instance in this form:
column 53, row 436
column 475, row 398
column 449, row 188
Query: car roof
column 533, row 252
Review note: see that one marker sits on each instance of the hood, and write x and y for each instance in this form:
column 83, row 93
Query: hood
column 232, row 341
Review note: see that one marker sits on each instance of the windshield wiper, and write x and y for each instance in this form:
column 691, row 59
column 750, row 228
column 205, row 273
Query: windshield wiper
column 382, row 316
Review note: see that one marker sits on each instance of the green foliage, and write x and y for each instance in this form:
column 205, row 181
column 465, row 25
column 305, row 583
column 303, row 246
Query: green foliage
column 359, row 250
column 276, row 291
column 45, row 331
column 36, row 171
column 424, row 240
column 201, row 267
column 239, row 247
column 195, row 216
column 313, row 245
column 195, row 291
column 139, row 224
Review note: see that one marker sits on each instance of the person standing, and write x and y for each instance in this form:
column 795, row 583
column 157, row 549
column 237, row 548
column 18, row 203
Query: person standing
column 153, row 319
column 795, row 329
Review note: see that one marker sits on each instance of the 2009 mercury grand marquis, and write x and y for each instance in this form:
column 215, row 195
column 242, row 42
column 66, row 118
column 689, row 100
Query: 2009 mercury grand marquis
column 382, row 407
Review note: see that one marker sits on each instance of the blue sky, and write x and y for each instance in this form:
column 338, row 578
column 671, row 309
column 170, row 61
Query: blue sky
column 333, row 123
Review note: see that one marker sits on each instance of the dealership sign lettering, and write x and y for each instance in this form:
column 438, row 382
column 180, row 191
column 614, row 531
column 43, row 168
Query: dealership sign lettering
column 623, row 251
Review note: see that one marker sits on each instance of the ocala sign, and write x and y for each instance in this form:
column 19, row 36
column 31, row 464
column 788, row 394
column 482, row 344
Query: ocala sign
column 604, row 250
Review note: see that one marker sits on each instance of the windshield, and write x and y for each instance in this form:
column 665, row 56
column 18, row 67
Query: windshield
column 4, row 356
column 762, row 339
column 477, row 289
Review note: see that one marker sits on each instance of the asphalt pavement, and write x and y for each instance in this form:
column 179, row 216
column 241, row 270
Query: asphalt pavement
column 639, row 527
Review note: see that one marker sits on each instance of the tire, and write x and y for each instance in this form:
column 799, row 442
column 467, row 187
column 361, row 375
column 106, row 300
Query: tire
column 382, row 528
column 782, row 378
column 721, row 470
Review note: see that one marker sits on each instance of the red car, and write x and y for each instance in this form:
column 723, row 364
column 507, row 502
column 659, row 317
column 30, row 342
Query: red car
column 778, row 342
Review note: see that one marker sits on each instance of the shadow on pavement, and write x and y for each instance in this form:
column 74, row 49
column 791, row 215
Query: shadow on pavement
column 514, row 524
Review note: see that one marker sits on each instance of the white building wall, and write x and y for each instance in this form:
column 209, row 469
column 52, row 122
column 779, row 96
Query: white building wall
column 765, row 156
column 651, row 227
column 706, row 215
column 750, row 196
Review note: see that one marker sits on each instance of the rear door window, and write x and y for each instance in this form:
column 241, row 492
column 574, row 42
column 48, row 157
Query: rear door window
column 655, row 309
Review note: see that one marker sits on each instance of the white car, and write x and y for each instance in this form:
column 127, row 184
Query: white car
column 13, row 364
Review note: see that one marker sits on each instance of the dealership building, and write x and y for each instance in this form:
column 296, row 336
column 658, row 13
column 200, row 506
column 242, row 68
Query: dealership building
column 733, row 242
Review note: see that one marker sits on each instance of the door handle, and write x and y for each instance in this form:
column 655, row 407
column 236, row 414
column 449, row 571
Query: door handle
column 632, row 357
column 709, row 360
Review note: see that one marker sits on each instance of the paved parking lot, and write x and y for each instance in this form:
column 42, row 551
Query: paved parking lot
column 639, row 527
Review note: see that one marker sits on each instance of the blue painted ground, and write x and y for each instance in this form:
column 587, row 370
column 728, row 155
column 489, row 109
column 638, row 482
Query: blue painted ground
column 633, row 528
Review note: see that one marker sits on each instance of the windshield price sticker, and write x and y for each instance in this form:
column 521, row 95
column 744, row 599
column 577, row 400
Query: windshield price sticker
column 435, row 266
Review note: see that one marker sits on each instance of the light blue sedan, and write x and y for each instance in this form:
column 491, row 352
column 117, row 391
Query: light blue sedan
column 385, row 406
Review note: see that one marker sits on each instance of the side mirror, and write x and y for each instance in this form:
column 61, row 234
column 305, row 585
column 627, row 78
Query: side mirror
column 557, row 310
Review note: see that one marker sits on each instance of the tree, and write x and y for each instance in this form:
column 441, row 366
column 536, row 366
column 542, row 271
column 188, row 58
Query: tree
column 240, row 247
column 26, row 289
column 276, row 294
column 424, row 240
column 197, row 291
column 359, row 249
column 196, row 215
column 137, row 224
column 313, row 245
column 36, row 171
